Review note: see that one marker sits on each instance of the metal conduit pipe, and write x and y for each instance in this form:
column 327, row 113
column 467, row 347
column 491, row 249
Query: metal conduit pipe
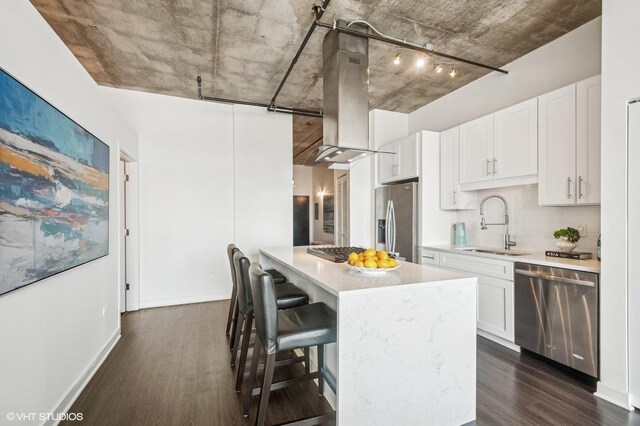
column 269, row 107
column 318, row 12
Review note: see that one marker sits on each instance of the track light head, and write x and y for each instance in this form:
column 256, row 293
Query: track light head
column 396, row 60
column 453, row 72
column 437, row 68
column 421, row 62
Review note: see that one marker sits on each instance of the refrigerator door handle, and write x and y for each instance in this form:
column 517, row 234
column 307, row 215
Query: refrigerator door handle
column 393, row 227
column 387, row 230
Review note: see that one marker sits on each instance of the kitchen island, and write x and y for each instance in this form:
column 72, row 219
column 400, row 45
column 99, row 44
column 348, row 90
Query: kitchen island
column 406, row 346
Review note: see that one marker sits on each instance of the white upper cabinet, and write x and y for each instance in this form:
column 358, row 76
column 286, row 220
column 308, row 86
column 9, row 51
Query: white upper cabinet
column 500, row 149
column 515, row 140
column 476, row 150
column 403, row 164
column 569, row 145
column 451, row 198
column 588, row 141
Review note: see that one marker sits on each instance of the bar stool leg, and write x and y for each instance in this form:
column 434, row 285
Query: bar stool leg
column 232, row 307
column 248, row 323
column 320, row 367
column 307, row 360
column 234, row 325
column 251, row 380
column 266, row 389
column 236, row 340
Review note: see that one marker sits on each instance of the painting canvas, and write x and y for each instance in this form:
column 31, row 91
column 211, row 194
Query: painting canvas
column 54, row 189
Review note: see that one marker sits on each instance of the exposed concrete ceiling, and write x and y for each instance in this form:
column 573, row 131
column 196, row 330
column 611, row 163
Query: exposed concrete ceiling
column 242, row 48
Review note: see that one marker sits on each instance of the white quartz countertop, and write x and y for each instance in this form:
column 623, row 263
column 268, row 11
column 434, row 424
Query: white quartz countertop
column 337, row 278
column 537, row 258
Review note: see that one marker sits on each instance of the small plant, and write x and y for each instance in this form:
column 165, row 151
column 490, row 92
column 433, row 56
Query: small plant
column 571, row 234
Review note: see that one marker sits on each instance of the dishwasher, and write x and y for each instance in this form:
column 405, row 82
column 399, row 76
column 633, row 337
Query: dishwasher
column 556, row 315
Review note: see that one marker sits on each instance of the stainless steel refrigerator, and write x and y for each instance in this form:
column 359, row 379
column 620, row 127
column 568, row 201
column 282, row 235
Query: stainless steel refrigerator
column 397, row 224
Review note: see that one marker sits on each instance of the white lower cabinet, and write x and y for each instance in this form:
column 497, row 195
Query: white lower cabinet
column 495, row 290
column 495, row 306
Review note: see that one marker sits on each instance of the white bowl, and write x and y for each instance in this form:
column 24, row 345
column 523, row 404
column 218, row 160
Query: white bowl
column 372, row 271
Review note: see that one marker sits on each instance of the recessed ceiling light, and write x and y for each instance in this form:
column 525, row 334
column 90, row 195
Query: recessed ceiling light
column 338, row 152
column 350, row 160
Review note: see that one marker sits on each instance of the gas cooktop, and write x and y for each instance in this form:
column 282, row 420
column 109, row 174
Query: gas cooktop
column 334, row 254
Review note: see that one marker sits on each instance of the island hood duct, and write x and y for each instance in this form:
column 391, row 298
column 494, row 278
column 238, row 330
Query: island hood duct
column 345, row 83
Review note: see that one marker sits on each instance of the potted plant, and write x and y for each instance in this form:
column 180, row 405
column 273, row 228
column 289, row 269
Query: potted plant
column 567, row 238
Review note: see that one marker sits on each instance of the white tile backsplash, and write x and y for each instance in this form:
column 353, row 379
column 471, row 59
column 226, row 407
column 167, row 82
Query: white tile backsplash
column 531, row 225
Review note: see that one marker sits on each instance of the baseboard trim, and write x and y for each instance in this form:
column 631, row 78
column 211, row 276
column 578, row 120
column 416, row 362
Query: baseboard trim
column 83, row 380
column 613, row 396
column 499, row 340
column 183, row 300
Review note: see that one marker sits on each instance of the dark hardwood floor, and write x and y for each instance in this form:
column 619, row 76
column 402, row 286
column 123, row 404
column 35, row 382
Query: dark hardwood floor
column 171, row 367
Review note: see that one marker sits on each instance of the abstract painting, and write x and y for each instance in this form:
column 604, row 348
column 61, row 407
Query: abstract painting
column 54, row 189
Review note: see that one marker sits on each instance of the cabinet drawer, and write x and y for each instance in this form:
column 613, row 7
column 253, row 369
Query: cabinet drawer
column 477, row 265
column 430, row 257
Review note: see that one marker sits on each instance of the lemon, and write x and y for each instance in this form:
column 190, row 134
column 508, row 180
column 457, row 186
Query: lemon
column 370, row 252
column 393, row 263
column 382, row 255
column 370, row 263
column 353, row 257
column 383, row 263
column 358, row 263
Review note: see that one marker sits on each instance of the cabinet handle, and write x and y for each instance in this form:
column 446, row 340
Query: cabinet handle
column 488, row 166
column 495, row 167
column 569, row 187
column 430, row 257
column 580, row 186
column 455, row 200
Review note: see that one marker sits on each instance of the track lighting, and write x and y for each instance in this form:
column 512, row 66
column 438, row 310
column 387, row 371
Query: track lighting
column 396, row 60
column 421, row 61
column 437, row 68
column 453, row 72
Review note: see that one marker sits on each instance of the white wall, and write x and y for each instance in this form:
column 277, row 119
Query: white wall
column 531, row 225
column 620, row 82
column 302, row 185
column 54, row 332
column 570, row 58
column 210, row 174
column 186, row 195
column 263, row 144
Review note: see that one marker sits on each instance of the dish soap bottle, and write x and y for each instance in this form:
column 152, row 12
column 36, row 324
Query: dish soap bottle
column 598, row 247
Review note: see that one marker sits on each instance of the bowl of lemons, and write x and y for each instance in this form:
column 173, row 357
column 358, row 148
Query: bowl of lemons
column 372, row 262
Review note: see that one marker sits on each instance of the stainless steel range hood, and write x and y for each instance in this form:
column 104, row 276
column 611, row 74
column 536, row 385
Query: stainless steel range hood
column 345, row 97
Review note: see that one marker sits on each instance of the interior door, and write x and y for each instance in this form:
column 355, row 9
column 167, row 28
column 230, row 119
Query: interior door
column 633, row 140
column 342, row 211
column 300, row 220
column 123, row 231
column 403, row 197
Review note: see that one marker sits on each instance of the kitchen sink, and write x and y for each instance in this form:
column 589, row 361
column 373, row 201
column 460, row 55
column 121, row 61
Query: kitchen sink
column 493, row 251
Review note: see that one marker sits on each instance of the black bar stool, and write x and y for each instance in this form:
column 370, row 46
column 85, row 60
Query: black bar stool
column 232, row 317
column 287, row 296
column 277, row 331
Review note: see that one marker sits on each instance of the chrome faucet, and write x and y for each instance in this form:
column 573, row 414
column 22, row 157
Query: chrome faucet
column 508, row 243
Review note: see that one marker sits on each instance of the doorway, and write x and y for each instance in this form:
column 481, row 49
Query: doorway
column 123, row 232
column 300, row 220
